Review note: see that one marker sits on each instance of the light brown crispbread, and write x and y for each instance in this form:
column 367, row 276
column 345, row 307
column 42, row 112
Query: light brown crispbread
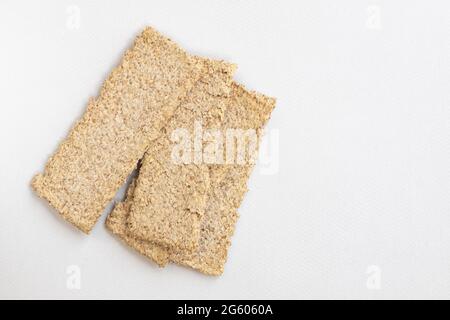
column 170, row 197
column 104, row 146
column 228, row 184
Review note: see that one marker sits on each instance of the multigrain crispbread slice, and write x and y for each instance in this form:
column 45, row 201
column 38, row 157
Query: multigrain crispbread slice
column 104, row 146
column 228, row 184
column 171, row 189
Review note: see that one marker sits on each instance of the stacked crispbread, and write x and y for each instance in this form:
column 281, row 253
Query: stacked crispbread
column 185, row 120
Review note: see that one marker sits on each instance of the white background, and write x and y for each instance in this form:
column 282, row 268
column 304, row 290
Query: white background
column 360, row 204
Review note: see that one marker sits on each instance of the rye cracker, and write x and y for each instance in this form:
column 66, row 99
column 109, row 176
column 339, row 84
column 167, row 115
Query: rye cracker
column 228, row 184
column 104, row 146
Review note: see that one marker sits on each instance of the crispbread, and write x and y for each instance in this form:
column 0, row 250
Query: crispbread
column 228, row 184
column 104, row 146
column 170, row 197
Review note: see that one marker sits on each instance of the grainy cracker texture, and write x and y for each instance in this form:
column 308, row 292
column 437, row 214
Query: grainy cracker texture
column 104, row 146
column 227, row 186
column 117, row 224
column 170, row 196
column 182, row 207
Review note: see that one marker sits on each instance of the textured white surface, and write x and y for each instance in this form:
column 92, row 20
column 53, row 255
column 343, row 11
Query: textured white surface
column 360, row 204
